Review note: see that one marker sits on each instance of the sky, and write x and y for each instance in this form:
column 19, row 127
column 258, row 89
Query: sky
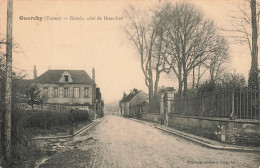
column 99, row 44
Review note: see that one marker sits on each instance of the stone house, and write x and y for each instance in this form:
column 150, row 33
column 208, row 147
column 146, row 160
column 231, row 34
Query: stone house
column 128, row 104
column 69, row 87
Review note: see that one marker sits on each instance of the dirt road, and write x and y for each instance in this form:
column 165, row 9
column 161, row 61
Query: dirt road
column 123, row 143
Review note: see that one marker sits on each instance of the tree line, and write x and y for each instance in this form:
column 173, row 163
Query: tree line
column 178, row 40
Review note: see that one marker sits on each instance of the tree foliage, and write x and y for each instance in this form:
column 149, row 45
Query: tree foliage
column 34, row 95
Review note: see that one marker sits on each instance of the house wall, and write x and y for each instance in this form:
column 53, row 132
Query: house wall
column 126, row 109
column 70, row 98
column 122, row 108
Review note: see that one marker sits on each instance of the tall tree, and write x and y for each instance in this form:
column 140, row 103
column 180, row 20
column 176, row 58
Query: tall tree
column 145, row 32
column 254, row 71
column 160, row 54
column 193, row 39
column 143, row 38
column 245, row 27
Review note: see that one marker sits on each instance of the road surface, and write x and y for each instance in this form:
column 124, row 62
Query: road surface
column 122, row 143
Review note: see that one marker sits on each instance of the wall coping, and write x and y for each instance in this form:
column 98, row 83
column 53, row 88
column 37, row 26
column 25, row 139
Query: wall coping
column 246, row 121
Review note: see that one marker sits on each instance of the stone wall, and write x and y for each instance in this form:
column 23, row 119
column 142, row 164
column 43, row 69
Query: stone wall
column 152, row 117
column 228, row 131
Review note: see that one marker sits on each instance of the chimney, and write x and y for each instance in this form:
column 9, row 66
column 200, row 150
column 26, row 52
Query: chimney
column 135, row 90
column 93, row 75
column 34, row 72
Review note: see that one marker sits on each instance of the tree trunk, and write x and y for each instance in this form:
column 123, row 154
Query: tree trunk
column 150, row 74
column 193, row 78
column 254, row 72
column 185, row 78
column 150, row 90
column 198, row 80
column 180, row 79
column 254, row 53
column 156, row 83
column 185, row 82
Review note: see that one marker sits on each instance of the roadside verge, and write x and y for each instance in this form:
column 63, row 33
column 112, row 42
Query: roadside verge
column 68, row 136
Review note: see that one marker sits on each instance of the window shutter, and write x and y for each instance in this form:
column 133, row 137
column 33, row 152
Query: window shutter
column 59, row 92
column 90, row 92
column 82, row 92
column 62, row 92
column 51, row 91
column 69, row 92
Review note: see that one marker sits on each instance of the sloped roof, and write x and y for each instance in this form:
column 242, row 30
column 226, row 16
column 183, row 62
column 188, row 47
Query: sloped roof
column 53, row 76
column 130, row 96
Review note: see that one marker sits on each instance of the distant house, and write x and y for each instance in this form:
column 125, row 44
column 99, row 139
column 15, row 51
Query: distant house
column 72, row 87
column 129, row 103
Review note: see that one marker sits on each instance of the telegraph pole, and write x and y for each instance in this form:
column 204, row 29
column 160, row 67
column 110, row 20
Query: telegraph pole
column 8, row 84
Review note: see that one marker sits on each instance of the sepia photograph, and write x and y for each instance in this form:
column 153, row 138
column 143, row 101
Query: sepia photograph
column 129, row 84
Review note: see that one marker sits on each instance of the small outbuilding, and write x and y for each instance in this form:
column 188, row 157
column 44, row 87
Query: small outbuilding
column 130, row 104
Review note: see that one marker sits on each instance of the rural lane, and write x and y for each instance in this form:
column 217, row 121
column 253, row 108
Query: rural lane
column 122, row 143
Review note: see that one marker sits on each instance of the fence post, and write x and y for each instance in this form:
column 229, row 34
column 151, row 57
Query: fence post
column 232, row 115
column 162, row 94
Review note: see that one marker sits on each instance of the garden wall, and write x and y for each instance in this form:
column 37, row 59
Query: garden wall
column 229, row 131
column 153, row 117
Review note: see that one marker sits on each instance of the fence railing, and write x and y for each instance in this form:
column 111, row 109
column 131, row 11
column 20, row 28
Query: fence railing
column 242, row 104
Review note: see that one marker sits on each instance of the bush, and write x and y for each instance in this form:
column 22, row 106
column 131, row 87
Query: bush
column 24, row 149
column 232, row 82
column 45, row 119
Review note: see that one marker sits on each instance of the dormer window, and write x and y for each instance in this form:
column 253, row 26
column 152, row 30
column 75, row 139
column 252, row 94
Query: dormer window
column 66, row 78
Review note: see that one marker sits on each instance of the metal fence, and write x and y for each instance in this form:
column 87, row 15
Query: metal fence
column 242, row 104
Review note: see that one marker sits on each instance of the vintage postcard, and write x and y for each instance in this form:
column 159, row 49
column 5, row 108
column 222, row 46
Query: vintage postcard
column 129, row 83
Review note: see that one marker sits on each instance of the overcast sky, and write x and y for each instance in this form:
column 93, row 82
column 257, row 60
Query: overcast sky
column 82, row 45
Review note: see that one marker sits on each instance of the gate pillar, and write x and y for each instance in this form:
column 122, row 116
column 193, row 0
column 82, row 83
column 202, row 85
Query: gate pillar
column 162, row 95
column 169, row 101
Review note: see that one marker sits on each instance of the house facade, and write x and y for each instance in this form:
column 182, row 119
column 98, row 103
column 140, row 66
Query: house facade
column 130, row 103
column 71, row 87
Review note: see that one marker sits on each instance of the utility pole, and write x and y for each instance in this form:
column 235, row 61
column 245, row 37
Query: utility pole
column 8, row 84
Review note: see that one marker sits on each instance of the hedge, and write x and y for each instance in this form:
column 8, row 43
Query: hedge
column 46, row 119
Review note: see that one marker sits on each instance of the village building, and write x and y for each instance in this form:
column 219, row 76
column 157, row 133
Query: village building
column 130, row 104
column 68, row 87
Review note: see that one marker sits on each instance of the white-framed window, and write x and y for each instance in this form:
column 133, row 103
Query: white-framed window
column 45, row 91
column 66, row 92
column 75, row 92
column 66, row 78
column 86, row 90
column 56, row 92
